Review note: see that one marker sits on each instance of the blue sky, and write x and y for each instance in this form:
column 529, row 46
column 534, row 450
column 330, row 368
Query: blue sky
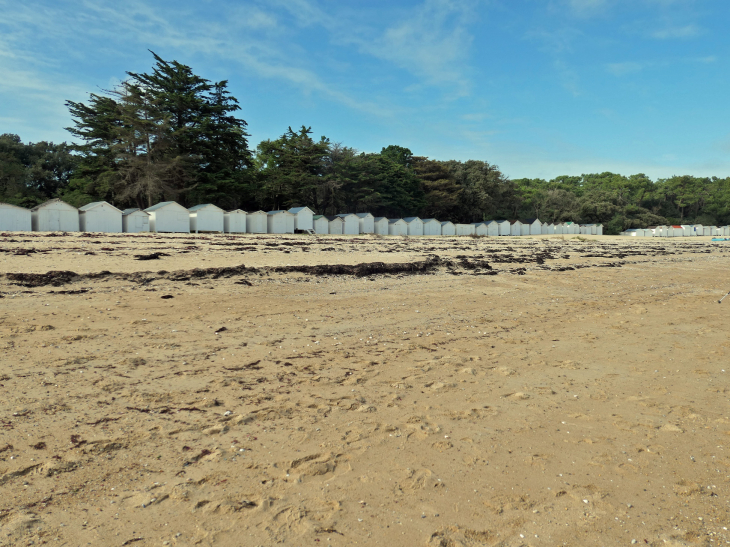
column 540, row 88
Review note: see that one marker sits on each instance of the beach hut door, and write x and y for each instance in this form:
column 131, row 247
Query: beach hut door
column 54, row 220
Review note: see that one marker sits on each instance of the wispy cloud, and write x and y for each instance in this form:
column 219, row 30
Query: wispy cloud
column 622, row 69
column 669, row 33
column 587, row 8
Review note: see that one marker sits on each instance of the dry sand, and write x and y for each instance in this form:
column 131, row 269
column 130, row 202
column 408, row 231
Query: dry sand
column 465, row 392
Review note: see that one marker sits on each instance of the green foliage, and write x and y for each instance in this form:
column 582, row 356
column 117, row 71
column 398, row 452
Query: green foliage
column 34, row 172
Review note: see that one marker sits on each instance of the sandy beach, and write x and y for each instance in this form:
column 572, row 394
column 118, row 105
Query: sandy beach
column 295, row 390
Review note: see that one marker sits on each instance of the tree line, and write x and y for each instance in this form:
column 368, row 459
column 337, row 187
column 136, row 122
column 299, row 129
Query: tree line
column 172, row 135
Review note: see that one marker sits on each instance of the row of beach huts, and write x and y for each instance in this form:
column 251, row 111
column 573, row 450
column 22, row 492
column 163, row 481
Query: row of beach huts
column 169, row 216
column 684, row 230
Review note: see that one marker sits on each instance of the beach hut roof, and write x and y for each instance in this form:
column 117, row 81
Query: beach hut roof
column 345, row 215
column 161, row 205
column 94, row 204
column 55, row 200
column 479, row 223
column 410, row 219
column 202, row 206
column 515, row 221
column 364, row 215
column 529, row 220
column 333, row 217
column 315, row 217
column 14, row 206
column 277, row 212
column 295, row 210
column 446, row 222
column 425, row 220
column 394, row 220
column 380, row 218
column 134, row 210
column 236, row 211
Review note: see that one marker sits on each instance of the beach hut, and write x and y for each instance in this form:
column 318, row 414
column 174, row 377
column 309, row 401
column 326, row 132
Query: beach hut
column 335, row 225
column 257, row 222
column 206, row 218
column 465, row 229
column 135, row 221
column 100, row 216
column 515, row 228
column 380, row 226
column 54, row 216
column 687, row 230
column 504, row 227
column 169, row 216
column 726, row 230
column 367, row 223
column 397, row 227
column 534, row 227
column 321, row 225
column 448, row 228
column 550, row 229
column 480, row 228
column 707, row 230
column 279, row 222
column 599, row 229
column 234, row 222
column 544, row 228
column 492, row 228
column 14, row 218
column 350, row 224
column 431, row 227
column 415, row 226
column 303, row 218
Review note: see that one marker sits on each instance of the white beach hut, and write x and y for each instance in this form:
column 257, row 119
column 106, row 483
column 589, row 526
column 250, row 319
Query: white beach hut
column 534, row 227
column 431, row 227
column 350, row 224
column 303, row 218
column 206, row 217
column 397, row 227
column 599, row 229
column 367, row 223
column 504, row 227
column 544, row 228
column 336, row 225
column 515, row 228
column 480, row 228
column 257, row 222
column 54, row 216
column 492, row 228
column 279, row 222
column 465, row 229
column 550, row 228
column 135, row 221
column 234, row 222
column 448, row 228
column 14, row 218
column 169, row 216
column 321, row 225
column 100, row 216
column 415, row 226
column 380, row 226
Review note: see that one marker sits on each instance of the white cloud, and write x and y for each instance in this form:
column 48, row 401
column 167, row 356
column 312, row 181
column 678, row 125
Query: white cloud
column 622, row 69
column 687, row 31
column 587, row 8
